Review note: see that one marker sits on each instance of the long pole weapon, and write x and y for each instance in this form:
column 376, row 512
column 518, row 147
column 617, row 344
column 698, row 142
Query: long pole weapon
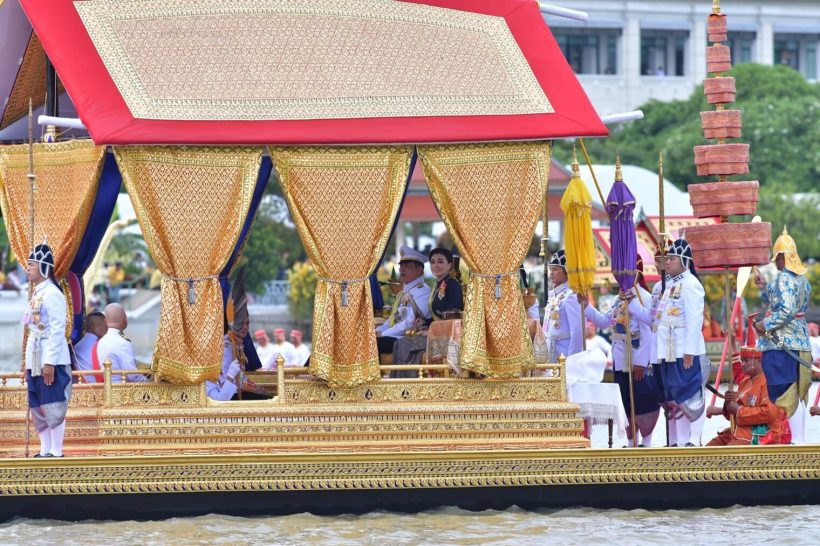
column 32, row 178
column 661, row 264
column 546, row 238
column 628, row 355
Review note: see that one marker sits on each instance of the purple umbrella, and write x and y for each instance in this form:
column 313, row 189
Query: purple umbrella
column 620, row 205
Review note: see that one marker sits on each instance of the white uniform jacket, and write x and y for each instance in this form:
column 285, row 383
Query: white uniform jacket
column 116, row 347
column 405, row 316
column 676, row 317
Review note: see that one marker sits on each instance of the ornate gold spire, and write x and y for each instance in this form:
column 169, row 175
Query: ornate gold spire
column 785, row 231
column 715, row 6
column 619, row 177
column 576, row 168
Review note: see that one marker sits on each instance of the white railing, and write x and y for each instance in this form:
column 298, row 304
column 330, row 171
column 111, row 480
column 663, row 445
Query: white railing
column 276, row 293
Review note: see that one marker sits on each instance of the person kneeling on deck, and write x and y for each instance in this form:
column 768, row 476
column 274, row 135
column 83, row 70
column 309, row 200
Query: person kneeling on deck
column 758, row 420
column 47, row 358
column 563, row 326
column 681, row 350
column 114, row 346
column 411, row 303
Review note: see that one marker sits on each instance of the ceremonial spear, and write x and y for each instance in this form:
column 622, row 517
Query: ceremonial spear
column 32, row 178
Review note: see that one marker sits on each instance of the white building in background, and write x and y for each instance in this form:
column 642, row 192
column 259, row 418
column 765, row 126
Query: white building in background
column 632, row 51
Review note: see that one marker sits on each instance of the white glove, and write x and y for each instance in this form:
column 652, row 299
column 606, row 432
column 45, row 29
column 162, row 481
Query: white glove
column 233, row 371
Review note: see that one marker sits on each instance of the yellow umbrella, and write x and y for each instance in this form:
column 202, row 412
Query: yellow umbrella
column 580, row 250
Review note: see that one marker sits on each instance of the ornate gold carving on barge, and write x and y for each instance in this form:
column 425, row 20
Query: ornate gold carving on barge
column 322, row 472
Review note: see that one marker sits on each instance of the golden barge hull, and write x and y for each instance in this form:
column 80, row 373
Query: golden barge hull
column 165, row 486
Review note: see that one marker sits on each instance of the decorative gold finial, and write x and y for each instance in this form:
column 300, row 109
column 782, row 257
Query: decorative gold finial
column 576, row 168
column 280, row 361
column 715, row 6
column 785, row 231
column 619, row 177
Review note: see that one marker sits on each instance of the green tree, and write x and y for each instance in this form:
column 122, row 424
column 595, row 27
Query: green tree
column 781, row 122
column 273, row 245
column 303, row 279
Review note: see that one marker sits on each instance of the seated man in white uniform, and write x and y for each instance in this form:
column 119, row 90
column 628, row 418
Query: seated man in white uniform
column 95, row 329
column 264, row 349
column 117, row 348
column 300, row 353
column 411, row 303
column 237, row 322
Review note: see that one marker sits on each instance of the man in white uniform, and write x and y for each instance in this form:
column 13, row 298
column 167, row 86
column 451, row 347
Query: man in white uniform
column 563, row 324
column 264, row 349
column 117, row 348
column 95, row 329
column 411, row 303
column 47, row 360
column 300, row 353
column 677, row 320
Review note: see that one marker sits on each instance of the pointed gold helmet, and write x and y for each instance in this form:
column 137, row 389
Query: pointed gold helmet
column 785, row 245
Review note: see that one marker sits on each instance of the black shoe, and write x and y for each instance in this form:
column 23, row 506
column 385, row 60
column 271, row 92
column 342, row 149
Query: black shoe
column 689, row 444
column 641, row 445
column 43, row 456
column 672, row 445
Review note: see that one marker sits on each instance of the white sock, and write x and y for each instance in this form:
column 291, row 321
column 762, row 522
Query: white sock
column 696, row 429
column 57, row 434
column 672, row 437
column 646, row 440
column 682, row 426
column 45, row 442
column 797, row 422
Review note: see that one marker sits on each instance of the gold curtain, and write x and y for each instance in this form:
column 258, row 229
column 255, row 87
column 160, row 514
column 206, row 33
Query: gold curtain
column 344, row 202
column 489, row 196
column 191, row 203
column 67, row 177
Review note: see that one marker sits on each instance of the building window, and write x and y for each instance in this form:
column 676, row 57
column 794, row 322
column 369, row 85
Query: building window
column 787, row 52
column 799, row 51
column 742, row 46
column 663, row 53
column 589, row 51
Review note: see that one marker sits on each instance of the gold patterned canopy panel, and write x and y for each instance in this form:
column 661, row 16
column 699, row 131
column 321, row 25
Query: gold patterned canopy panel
column 308, row 59
column 489, row 196
column 191, row 204
column 66, row 185
column 344, row 202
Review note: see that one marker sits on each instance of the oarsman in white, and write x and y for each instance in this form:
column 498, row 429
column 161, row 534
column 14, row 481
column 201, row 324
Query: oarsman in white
column 48, row 362
column 95, row 329
column 117, row 348
column 411, row 303
column 563, row 326
column 282, row 347
column 264, row 349
column 300, row 353
column 677, row 320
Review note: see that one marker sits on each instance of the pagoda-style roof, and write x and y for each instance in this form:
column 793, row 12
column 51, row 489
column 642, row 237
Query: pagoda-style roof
column 647, row 229
column 306, row 72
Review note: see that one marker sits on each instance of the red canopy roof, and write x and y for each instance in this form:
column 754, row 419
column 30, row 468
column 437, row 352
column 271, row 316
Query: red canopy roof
column 117, row 83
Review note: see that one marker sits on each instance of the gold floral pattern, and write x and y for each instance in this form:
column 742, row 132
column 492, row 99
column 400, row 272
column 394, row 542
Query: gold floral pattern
column 191, row 203
column 489, row 196
column 302, row 59
column 344, row 202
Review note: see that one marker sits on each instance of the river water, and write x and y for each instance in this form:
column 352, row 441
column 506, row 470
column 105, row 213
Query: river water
column 514, row 527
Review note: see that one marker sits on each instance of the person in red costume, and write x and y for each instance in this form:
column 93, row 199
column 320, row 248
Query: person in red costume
column 757, row 419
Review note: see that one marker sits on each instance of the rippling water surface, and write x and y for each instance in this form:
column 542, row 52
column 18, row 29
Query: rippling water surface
column 514, row 527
